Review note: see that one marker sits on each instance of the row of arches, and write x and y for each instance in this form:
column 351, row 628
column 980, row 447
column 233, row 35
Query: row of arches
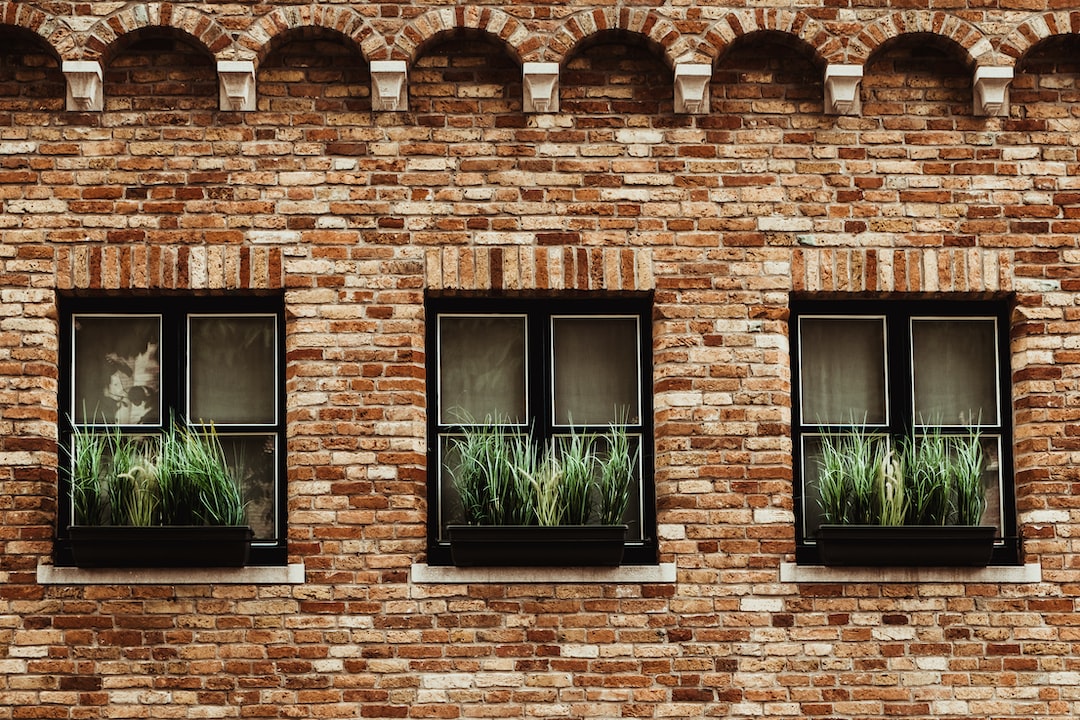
column 677, row 39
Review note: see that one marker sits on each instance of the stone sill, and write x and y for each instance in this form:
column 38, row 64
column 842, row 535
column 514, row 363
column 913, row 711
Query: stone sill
column 792, row 573
column 254, row 575
column 424, row 574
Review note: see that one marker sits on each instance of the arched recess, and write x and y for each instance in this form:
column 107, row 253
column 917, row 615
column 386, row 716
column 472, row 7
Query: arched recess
column 200, row 27
column 803, row 30
column 30, row 76
column 520, row 43
column 49, row 28
column 466, row 77
column 767, row 72
column 1046, row 88
column 976, row 46
column 1038, row 28
column 157, row 68
column 944, row 90
column 659, row 33
column 259, row 40
column 314, row 70
column 617, row 75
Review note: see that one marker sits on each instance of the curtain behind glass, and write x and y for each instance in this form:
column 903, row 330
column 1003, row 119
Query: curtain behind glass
column 842, row 371
column 596, row 370
column 481, row 368
column 232, row 364
column 955, row 369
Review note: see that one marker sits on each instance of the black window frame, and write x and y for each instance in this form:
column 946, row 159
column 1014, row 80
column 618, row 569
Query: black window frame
column 538, row 313
column 173, row 359
column 898, row 314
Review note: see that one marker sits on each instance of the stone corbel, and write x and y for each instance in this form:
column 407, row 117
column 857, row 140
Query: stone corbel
column 842, row 89
column 991, row 91
column 236, row 83
column 692, row 88
column 84, row 89
column 540, row 87
column 388, row 89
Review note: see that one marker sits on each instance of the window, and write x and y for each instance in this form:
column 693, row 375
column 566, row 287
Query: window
column 902, row 369
column 547, row 368
column 134, row 365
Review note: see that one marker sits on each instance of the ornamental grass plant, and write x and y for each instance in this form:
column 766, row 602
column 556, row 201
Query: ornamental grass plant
column 505, row 478
column 929, row 478
column 180, row 477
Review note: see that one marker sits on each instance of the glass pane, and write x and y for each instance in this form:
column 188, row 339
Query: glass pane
column 481, row 368
column 995, row 512
column 253, row 461
column 117, row 376
column 450, row 508
column 596, row 370
column 811, row 470
column 233, row 369
column 955, row 368
column 842, row 371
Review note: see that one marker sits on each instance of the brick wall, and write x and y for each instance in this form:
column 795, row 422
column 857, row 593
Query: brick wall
column 353, row 215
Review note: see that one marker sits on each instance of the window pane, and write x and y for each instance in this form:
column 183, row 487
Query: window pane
column 450, row 508
column 992, row 480
column 481, row 368
column 253, row 462
column 232, row 368
column 843, row 371
column 596, row 370
column 116, row 370
column 811, row 472
column 955, row 369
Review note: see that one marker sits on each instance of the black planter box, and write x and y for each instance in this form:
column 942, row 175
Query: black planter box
column 537, row 546
column 160, row 546
column 906, row 545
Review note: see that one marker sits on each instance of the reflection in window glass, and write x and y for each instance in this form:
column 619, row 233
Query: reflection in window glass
column 843, row 371
column 596, row 370
column 232, row 369
column 482, row 368
column 252, row 460
column 955, row 371
column 117, row 369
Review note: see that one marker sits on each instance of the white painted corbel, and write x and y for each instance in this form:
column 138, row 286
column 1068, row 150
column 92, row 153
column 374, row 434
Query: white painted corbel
column 236, row 83
column 991, row 91
column 842, row 89
column 388, row 89
column 692, row 88
column 540, row 87
column 84, row 89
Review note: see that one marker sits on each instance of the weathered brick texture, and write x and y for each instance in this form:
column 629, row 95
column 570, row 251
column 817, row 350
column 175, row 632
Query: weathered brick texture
column 353, row 215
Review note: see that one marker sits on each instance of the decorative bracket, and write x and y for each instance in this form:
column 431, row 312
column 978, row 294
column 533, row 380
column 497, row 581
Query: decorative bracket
column 540, row 87
column 388, row 89
column 991, row 91
column 236, row 82
column 692, row 87
column 842, row 89
column 84, row 89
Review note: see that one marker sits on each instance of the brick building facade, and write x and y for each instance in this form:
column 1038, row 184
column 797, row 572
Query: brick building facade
column 350, row 166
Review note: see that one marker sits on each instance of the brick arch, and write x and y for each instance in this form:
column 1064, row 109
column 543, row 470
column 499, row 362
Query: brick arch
column 826, row 47
column 520, row 42
column 977, row 46
column 49, row 28
column 657, row 31
column 258, row 40
column 1038, row 28
column 102, row 37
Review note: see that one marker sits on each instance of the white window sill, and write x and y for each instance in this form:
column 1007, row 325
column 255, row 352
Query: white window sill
column 253, row 575
column 424, row 574
column 1030, row 573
